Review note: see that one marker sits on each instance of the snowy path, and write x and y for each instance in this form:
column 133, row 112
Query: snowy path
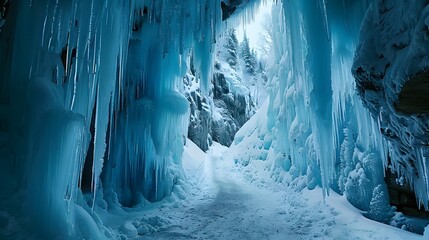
column 223, row 205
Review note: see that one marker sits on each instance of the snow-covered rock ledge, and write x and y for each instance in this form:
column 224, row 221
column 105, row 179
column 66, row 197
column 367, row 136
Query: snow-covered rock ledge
column 390, row 68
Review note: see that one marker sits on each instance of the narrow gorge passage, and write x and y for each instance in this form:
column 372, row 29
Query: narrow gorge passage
column 114, row 114
column 224, row 204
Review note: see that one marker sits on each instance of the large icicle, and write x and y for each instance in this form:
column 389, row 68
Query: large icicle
column 308, row 73
column 320, row 126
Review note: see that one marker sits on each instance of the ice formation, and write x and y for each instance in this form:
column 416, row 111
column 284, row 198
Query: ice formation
column 319, row 120
column 318, row 126
column 391, row 66
column 91, row 101
column 93, row 115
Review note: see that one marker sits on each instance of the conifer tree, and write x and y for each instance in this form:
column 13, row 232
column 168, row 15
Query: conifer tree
column 379, row 208
column 248, row 56
column 232, row 47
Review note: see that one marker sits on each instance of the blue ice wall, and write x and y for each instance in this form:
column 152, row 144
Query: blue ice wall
column 90, row 95
column 314, row 68
column 321, row 130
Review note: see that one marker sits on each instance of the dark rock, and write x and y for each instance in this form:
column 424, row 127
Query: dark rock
column 234, row 109
column 393, row 82
column 200, row 117
column 403, row 197
column 223, row 130
column 414, row 97
column 227, row 10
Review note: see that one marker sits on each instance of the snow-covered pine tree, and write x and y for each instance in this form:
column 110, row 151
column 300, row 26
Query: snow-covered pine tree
column 248, row 56
column 379, row 208
column 232, row 48
column 262, row 73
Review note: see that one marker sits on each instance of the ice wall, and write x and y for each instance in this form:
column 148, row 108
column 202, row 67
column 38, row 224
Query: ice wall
column 90, row 96
column 320, row 128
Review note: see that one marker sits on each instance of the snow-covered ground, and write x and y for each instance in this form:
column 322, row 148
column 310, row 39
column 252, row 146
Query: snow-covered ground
column 229, row 201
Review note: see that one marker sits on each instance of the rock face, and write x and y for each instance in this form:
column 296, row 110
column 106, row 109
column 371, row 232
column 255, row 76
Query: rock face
column 230, row 100
column 237, row 104
column 390, row 68
column 200, row 116
column 414, row 97
column 402, row 196
column 219, row 115
column 233, row 109
column 230, row 7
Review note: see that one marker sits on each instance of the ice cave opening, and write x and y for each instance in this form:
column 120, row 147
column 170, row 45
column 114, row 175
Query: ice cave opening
column 214, row 119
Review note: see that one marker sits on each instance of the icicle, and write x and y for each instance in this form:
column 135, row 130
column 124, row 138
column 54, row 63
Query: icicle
column 322, row 5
